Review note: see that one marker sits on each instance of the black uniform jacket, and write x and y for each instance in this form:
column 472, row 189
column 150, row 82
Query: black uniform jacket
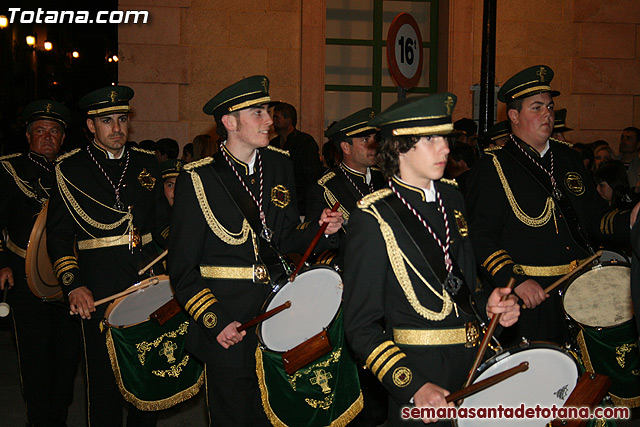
column 24, row 185
column 82, row 209
column 210, row 230
column 517, row 225
column 389, row 284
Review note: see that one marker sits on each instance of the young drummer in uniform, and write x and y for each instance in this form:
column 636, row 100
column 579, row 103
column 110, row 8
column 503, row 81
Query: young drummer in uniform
column 233, row 214
column 409, row 265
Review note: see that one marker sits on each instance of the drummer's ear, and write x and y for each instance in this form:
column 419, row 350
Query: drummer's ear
column 91, row 125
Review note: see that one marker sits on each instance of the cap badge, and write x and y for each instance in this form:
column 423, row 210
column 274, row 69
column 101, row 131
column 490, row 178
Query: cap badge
column 48, row 107
column 542, row 73
column 449, row 104
column 372, row 115
column 265, row 85
column 113, row 96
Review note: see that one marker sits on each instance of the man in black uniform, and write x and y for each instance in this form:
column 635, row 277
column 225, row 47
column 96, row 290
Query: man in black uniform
column 233, row 214
column 409, row 266
column 302, row 148
column 48, row 338
column 532, row 206
column 354, row 177
column 110, row 200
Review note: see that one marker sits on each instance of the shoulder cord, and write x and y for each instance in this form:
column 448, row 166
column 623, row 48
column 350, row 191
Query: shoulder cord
column 397, row 258
column 545, row 216
column 218, row 229
column 22, row 184
column 74, row 206
column 331, row 200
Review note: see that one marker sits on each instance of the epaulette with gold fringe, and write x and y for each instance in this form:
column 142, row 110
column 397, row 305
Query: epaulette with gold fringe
column 326, row 177
column 142, row 150
column 497, row 147
column 451, row 182
column 370, row 199
column 278, row 150
column 561, row 142
column 67, row 155
column 10, row 156
column 198, row 163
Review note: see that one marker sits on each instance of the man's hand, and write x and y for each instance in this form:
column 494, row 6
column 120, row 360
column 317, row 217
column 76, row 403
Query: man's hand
column 81, row 302
column 509, row 307
column 230, row 335
column 531, row 293
column 333, row 219
column 6, row 276
column 431, row 396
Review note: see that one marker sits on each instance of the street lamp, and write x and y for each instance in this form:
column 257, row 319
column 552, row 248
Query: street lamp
column 4, row 22
column 75, row 54
column 48, row 45
column 31, row 41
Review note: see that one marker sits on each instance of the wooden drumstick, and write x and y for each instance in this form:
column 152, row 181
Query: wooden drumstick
column 264, row 316
column 313, row 244
column 141, row 285
column 152, row 263
column 486, row 383
column 487, row 337
column 567, row 276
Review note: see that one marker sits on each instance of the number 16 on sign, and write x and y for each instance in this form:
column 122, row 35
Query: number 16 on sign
column 404, row 51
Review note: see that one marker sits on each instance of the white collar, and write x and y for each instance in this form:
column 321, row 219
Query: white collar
column 429, row 193
column 367, row 175
column 546, row 148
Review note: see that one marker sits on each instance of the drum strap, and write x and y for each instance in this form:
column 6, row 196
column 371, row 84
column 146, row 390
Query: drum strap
column 268, row 254
column 416, row 233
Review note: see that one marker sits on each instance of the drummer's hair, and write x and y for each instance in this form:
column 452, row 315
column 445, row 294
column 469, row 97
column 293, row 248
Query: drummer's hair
column 390, row 147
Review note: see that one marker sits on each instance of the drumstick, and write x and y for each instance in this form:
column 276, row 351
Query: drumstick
column 264, row 316
column 486, row 383
column 313, row 244
column 567, row 276
column 152, row 263
column 487, row 337
column 140, row 285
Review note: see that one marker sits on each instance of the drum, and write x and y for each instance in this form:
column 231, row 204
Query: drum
column 152, row 367
column 41, row 278
column 612, row 257
column 324, row 390
column 599, row 302
column 315, row 296
column 550, row 379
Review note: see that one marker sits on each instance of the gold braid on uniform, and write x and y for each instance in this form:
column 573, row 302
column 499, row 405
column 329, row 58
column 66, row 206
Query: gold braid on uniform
column 545, row 216
column 21, row 183
column 215, row 226
column 330, row 198
column 75, row 207
column 398, row 259
column 278, row 150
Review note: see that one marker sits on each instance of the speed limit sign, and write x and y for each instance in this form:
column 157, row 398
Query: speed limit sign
column 404, row 51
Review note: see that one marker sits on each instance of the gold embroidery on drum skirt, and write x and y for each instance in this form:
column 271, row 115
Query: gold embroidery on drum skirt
column 621, row 353
column 321, row 379
column 144, row 347
column 322, row 404
column 174, row 371
column 334, row 358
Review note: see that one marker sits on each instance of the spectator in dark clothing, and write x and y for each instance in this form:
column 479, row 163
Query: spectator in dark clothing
column 461, row 159
column 303, row 150
column 148, row 144
column 187, row 153
column 167, row 149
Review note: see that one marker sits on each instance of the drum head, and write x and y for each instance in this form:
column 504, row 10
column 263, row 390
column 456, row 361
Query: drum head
column 600, row 297
column 137, row 307
column 550, row 379
column 315, row 297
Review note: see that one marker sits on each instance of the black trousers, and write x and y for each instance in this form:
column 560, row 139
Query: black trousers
column 104, row 401
column 48, row 344
column 233, row 397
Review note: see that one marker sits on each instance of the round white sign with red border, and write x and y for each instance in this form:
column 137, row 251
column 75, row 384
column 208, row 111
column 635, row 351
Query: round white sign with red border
column 404, row 51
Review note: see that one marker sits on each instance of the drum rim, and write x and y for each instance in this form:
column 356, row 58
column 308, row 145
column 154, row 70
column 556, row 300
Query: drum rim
column 523, row 347
column 272, row 295
column 573, row 279
column 113, row 304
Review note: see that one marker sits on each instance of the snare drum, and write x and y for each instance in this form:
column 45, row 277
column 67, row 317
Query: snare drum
column 599, row 302
column 550, row 379
column 326, row 390
column 152, row 368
